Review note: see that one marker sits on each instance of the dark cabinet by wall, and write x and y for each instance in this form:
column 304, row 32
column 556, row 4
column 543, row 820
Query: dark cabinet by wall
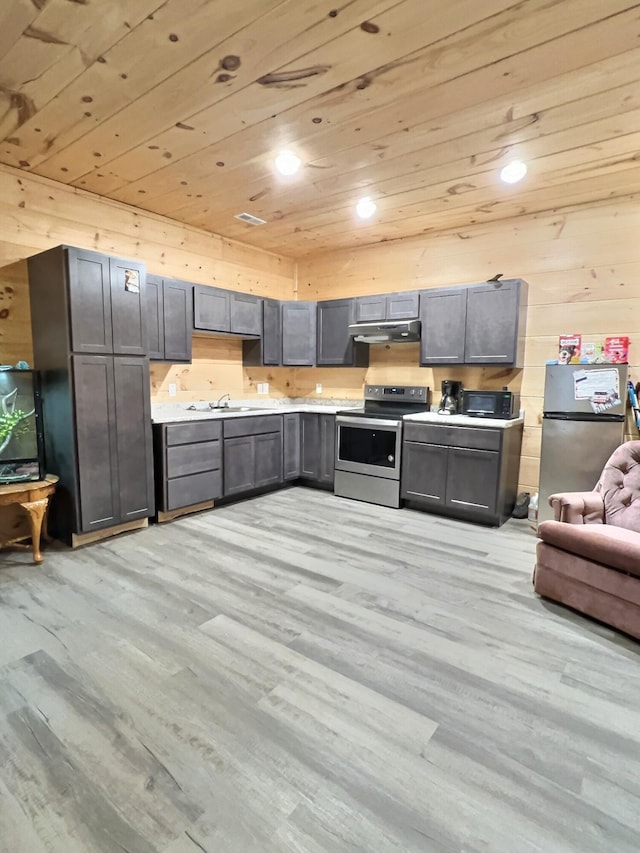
column 496, row 314
column 403, row 305
column 105, row 301
column 291, row 446
column 479, row 324
column 96, row 400
column 468, row 472
column 298, row 334
column 317, row 441
column 169, row 307
column 252, row 453
column 336, row 348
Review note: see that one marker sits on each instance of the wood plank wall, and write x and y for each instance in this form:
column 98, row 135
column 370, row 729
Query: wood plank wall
column 37, row 213
column 583, row 269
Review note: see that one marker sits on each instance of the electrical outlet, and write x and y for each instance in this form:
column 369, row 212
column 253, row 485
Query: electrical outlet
column 265, row 387
column 318, row 389
column 173, row 389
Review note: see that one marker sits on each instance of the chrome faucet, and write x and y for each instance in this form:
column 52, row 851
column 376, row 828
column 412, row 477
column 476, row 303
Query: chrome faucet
column 218, row 403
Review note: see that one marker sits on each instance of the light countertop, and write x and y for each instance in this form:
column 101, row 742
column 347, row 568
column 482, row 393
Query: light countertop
column 178, row 412
column 463, row 420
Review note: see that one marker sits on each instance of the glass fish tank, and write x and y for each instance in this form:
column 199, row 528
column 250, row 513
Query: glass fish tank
column 21, row 436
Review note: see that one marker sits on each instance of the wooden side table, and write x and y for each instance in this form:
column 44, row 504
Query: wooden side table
column 33, row 497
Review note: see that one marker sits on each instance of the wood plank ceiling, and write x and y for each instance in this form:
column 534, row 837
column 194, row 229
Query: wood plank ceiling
column 179, row 106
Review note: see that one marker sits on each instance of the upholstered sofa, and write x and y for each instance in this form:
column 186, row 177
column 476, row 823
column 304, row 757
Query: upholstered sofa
column 588, row 557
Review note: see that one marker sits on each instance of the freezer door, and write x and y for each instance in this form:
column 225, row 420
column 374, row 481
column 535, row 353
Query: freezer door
column 573, row 456
column 560, row 386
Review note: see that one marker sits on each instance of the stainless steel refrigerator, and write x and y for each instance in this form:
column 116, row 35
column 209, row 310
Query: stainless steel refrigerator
column 582, row 424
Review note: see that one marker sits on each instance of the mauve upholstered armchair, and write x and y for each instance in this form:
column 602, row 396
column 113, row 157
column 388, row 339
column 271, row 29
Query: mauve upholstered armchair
column 589, row 557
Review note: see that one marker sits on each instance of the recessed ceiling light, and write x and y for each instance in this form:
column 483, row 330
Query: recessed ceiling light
column 287, row 163
column 365, row 208
column 513, row 172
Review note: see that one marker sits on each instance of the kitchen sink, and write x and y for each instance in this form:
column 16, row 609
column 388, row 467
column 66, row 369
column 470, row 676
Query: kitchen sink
column 235, row 409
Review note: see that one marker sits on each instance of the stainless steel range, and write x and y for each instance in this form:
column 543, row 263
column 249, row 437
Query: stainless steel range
column 369, row 443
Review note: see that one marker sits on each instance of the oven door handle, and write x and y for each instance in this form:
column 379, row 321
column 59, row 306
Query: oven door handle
column 369, row 422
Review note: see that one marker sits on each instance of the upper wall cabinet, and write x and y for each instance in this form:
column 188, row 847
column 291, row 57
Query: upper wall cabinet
column 480, row 324
column 443, row 317
column 388, row 306
column 218, row 310
column 336, row 348
column 105, row 308
column 266, row 350
column 211, row 308
column 169, row 309
column 246, row 314
column 298, row 334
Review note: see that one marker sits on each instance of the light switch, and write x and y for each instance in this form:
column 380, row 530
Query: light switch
column 173, row 388
column 318, row 389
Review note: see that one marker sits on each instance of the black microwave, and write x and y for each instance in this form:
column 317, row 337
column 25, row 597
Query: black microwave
column 491, row 404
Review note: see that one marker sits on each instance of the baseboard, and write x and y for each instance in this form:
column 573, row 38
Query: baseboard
column 79, row 539
column 169, row 515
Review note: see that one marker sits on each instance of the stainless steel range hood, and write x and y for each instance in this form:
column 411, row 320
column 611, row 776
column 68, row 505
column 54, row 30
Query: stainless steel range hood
column 387, row 331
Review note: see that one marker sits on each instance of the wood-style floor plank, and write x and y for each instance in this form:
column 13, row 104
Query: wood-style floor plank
column 302, row 673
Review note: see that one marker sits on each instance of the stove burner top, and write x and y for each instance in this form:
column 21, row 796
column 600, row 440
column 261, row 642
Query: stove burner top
column 391, row 402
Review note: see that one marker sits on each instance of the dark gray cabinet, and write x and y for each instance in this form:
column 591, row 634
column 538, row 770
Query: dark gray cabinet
column 188, row 463
column 112, row 440
column 336, row 348
column 468, row 472
column 481, row 324
column 290, row 446
column 403, row 305
column 443, row 317
column 496, row 316
column 169, row 307
column 252, row 453
column 317, row 442
column 228, row 311
column 105, row 301
column 267, row 350
column 246, row 314
column 298, row 334
column 211, row 308
column 96, row 399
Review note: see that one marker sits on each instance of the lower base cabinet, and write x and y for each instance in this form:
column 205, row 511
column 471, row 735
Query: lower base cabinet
column 467, row 472
column 188, row 462
column 252, row 453
column 317, row 447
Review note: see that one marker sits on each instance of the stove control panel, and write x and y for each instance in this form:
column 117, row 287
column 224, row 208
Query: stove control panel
column 399, row 393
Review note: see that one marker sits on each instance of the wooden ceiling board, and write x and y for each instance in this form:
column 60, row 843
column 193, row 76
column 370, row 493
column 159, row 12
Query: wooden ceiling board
column 155, row 117
column 415, row 104
column 548, row 59
column 460, row 161
column 475, row 46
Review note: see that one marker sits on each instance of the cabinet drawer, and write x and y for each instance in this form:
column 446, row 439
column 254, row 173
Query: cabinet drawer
column 253, row 425
column 184, row 491
column 188, row 433
column 184, row 459
column 477, row 438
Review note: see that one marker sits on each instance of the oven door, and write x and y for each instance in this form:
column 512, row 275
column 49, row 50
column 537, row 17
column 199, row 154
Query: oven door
column 369, row 446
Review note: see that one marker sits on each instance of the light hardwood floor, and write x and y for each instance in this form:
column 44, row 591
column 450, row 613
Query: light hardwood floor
column 299, row 672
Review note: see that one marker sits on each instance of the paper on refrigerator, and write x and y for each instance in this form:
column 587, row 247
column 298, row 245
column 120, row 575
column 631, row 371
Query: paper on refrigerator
column 600, row 387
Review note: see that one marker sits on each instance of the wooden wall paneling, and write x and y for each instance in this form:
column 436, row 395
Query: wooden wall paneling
column 15, row 315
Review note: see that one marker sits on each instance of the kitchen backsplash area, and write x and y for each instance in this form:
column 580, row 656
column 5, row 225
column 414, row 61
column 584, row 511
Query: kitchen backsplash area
column 217, row 369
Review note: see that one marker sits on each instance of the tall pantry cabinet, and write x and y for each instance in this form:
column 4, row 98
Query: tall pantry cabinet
column 90, row 344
